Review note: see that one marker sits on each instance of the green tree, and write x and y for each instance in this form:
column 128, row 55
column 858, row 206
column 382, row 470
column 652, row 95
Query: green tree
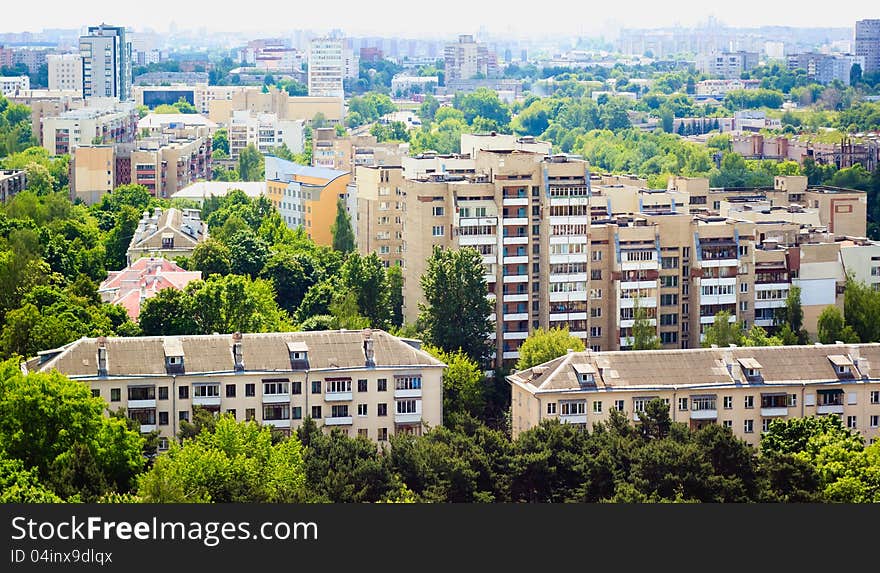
column 250, row 164
column 247, row 253
column 395, row 297
column 220, row 141
column 167, row 314
column 723, row 333
column 211, row 257
column 343, row 234
column 544, row 345
column 831, row 327
column 462, row 383
column 365, row 277
column 644, row 333
column 234, row 463
column 456, row 310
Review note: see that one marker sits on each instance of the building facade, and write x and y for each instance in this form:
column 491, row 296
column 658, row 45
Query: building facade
column 867, row 44
column 265, row 131
column 467, row 59
column 364, row 383
column 167, row 233
column 106, row 62
column 727, row 65
column 326, row 67
column 11, row 85
column 101, row 123
column 65, row 72
column 744, row 389
column 141, row 280
column 12, row 182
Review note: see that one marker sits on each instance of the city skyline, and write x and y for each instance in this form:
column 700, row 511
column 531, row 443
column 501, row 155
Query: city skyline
column 394, row 19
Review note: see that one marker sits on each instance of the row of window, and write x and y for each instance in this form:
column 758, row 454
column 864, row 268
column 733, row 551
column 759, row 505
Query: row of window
column 284, row 412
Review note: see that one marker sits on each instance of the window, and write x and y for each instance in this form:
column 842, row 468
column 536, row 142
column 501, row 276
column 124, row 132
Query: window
column 682, row 404
column 875, row 396
column 250, row 390
column 597, row 407
column 336, row 385
column 163, row 392
column 437, row 230
column 163, row 444
column 749, row 402
column 339, row 411
column 250, row 414
column 595, row 331
column 851, row 422
column 437, row 211
column 668, row 319
column 875, row 421
column 728, row 402
column 231, row 412
column 406, row 406
column 748, row 426
column 668, row 337
column 765, row 424
column 316, row 412
column 743, row 305
column 96, row 393
column 668, row 299
column 183, row 415
column 727, row 424
column 363, row 432
column 362, row 385
column 362, row 409
column 669, row 281
column 383, row 434
column 577, row 408
column 382, row 384
column 382, row 410
column 618, row 405
column 597, row 256
column 206, row 390
column 275, row 387
column 743, row 287
column 230, row 390
column 276, row 412
column 296, row 387
column 669, row 262
column 596, row 312
column 115, row 394
column 316, row 386
column 163, row 418
column 296, row 413
column 408, row 383
column 792, row 400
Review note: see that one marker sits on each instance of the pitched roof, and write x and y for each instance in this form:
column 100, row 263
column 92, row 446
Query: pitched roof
column 143, row 279
column 138, row 356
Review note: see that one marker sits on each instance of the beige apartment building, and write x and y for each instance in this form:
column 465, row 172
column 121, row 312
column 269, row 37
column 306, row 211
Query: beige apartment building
column 103, row 122
column 47, row 103
column 167, row 233
column 279, row 102
column 564, row 247
column 12, row 182
column 199, row 95
column 351, row 151
column 65, row 72
column 365, row 383
column 381, row 212
column 743, row 388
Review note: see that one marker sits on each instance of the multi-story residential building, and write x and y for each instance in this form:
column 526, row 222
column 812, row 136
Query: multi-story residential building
column 265, row 131
column 65, row 72
column 92, row 172
column 381, row 212
column 865, row 151
column 405, row 83
column 201, row 190
column 867, row 44
column 727, row 65
column 12, row 182
column 199, row 95
column 467, row 59
column 47, row 103
column 141, row 280
column 326, row 67
column 348, row 152
column 306, row 196
column 106, row 61
column 167, row 233
column 279, row 102
column 102, row 122
column 11, row 85
column 742, row 388
column 720, row 88
column 825, row 68
column 178, row 124
column 364, row 383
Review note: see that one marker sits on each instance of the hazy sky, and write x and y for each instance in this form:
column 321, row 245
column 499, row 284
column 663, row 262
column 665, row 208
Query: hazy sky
column 440, row 18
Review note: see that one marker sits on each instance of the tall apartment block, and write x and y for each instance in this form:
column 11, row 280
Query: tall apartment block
column 65, row 72
column 727, row 64
column 104, row 122
column 867, row 44
column 467, row 58
column 364, row 383
column 326, row 67
column 741, row 388
column 106, row 62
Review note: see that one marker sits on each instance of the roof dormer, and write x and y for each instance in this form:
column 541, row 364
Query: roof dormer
column 299, row 355
column 751, row 369
column 586, row 375
column 843, row 365
column 237, row 356
column 174, row 359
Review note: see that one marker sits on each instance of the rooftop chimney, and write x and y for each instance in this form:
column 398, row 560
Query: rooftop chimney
column 369, row 355
column 237, row 357
column 102, row 356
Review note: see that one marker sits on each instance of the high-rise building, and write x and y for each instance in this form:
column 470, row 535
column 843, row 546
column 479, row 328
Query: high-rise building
column 727, row 64
column 65, row 72
column 467, row 59
column 868, row 44
column 106, row 61
column 326, row 67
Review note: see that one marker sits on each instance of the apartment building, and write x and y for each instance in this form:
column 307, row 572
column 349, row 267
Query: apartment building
column 65, row 72
column 720, row 88
column 364, row 383
column 867, row 44
column 265, row 131
column 744, row 389
column 351, row 151
column 102, row 122
column 10, row 85
column 167, row 233
column 467, row 58
column 326, row 67
column 141, row 280
column 279, row 102
column 12, row 182
column 380, row 209
column 106, row 62
column 727, row 65
column 825, row 68
column 306, row 196
column 47, row 103
column 199, row 95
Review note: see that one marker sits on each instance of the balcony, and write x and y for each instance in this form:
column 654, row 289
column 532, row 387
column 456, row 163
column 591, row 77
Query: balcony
column 711, row 319
column 524, row 240
column 719, row 263
column 490, row 278
column 644, row 302
column 772, row 286
column 277, row 423
column 147, row 428
column 515, row 297
column 830, row 409
column 408, row 418
column 276, row 398
column 571, row 296
column 408, row 393
column 206, row 400
column 573, row 418
column 704, row 414
column 470, row 240
column 516, row 260
column 633, row 285
column 510, row 355
column 570, row 220
column 515, row 201
column 515, row 221
column 516, row 316
column 515, row 335
column 774, row 412
column 338, row 421
column 338, row 396
column 515, row 279
column 137, row 404
column 718, row 281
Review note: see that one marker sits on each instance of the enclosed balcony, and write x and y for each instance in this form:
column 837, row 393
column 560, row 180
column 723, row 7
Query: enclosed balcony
column 704, row 408
column 206, row 394
column 141, row 397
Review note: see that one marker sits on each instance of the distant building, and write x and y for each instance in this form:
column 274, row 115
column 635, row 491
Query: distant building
column 200, row 95
column 825, row 68
column 279, row 102
column 720, row 88
column 868, row 44
column 327, row 67
column 65, row 72
column 12, row 183
column 201, row 190
column 102, row 122
column 349, row 151
column 106, row 60
column 402, row 83
column 10, row 85
column 265, row 131
column 47, row 103
column 141, row 280
column 468, row 59
column 727, row 65
column 167, row 233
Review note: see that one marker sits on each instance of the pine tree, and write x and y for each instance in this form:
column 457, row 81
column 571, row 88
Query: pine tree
column 343, row 235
